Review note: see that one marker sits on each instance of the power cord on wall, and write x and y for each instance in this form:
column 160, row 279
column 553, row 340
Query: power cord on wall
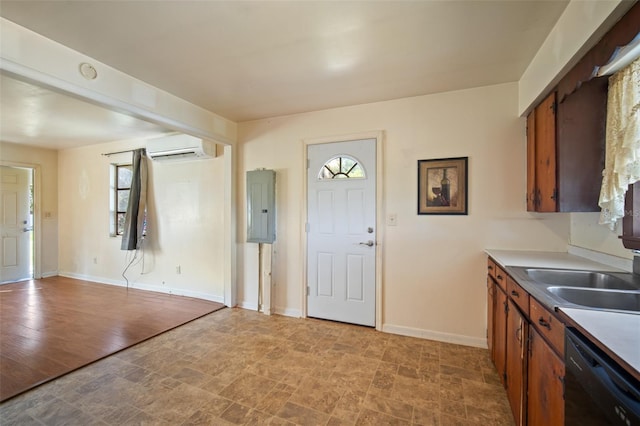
column 131, row 262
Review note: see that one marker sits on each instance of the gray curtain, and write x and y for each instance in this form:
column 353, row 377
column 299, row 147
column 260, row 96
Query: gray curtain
column 135, row 219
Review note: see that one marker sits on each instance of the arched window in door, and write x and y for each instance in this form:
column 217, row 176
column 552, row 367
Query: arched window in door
column 342, row 167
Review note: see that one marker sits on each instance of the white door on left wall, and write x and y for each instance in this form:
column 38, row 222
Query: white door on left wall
column 16, row 224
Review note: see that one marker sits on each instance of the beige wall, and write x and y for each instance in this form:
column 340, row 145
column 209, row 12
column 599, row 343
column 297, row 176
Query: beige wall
column 46, row 161
column 433, row 266
column 185, row 224
column 587, row 233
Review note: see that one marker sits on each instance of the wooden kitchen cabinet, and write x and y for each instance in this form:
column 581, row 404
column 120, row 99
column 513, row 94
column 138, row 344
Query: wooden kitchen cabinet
column 548, row 325
column 500, row 333
column 565, row 150
column 541, row 156
column 581, row 131
column 526, row 343
column 545, row 383
column 497, row 317
column 631, row 221
column 516, row 362
column 518, row 295
column 491, row 308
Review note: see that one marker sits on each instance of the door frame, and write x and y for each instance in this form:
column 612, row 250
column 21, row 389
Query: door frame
column 378, row 135
column 37, row 217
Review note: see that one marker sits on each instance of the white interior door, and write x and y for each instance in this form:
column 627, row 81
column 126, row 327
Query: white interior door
column 16, row 224
column 341, row 233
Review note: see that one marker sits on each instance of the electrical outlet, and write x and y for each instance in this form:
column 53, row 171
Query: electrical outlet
column 95, row 260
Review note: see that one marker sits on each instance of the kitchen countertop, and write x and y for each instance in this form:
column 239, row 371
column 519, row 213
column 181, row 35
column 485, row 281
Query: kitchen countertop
column 546, row 259
column 617, row 333
column 612, row 330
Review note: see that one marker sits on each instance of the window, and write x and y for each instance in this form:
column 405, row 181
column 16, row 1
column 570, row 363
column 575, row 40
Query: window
column 342, row 167
column 121, row 175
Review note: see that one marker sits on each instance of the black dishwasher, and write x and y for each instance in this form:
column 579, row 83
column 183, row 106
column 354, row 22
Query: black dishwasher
column 597, row 391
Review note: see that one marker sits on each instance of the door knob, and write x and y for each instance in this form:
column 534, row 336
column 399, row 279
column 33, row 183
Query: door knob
column 368, row 243
column 27, row 229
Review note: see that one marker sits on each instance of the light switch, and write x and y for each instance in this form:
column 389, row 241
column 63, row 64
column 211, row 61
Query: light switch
column 392, row 219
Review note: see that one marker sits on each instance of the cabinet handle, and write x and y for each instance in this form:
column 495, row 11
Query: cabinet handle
column 544, row 323
column 490, row 267
column 515, row 293
column 499, row 277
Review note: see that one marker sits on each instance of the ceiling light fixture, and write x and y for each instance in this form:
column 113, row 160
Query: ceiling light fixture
column 88, row 71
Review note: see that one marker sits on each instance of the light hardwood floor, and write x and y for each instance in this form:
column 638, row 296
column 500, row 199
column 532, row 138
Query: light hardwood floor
column 236, row 366
column 52, row 326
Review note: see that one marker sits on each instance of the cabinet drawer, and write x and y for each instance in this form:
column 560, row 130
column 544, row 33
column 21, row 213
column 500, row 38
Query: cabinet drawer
column 518, row 295
column 548, row 325
column 491, row 268
column 501, row 278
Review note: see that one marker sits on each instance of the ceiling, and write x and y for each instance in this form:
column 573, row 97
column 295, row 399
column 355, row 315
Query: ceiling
column 37, row 116
column 247, row 60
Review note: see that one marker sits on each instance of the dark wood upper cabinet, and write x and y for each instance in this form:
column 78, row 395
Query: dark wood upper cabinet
column 565, row 150
column 631, row 221
column 575, row 129
column 581, row 126
column 541, row 156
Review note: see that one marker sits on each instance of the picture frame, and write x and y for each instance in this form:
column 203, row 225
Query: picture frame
column 442, row 186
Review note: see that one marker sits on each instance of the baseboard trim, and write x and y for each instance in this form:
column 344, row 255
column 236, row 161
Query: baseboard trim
column 148, row 287
column 435, row 335
column 250, row 306
column 287, row 312
column 253, row 306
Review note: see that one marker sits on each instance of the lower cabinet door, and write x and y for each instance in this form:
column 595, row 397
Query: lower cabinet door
column 516, row 362
column 491, row 306
column 500, row 333
column 545, row 399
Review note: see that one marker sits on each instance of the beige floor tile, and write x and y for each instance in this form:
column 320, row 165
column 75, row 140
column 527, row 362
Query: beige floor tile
column 241, row 367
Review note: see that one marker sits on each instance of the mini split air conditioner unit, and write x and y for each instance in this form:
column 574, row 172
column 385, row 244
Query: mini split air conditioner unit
column 180, row 147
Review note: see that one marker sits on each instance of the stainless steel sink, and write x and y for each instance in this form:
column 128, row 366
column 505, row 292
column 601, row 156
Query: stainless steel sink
column 598, row 298
column 571, row 278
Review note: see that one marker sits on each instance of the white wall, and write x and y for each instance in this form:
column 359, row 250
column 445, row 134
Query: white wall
column 433, row 266
column 47, row 161
column 587, row 233
column 185, row 224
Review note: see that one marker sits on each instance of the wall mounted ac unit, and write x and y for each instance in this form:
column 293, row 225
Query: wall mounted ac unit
column 180, row 147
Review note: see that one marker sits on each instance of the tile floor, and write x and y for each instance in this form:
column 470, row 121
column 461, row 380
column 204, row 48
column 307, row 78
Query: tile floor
column 240, row 367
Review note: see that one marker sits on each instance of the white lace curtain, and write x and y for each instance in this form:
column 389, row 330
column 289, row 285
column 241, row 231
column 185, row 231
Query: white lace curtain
column 622, row 159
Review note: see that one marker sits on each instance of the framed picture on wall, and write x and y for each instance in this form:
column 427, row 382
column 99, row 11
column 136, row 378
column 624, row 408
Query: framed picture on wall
column 442, row 186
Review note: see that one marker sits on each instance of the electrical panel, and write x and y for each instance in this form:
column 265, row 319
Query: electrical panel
column 261, row 206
